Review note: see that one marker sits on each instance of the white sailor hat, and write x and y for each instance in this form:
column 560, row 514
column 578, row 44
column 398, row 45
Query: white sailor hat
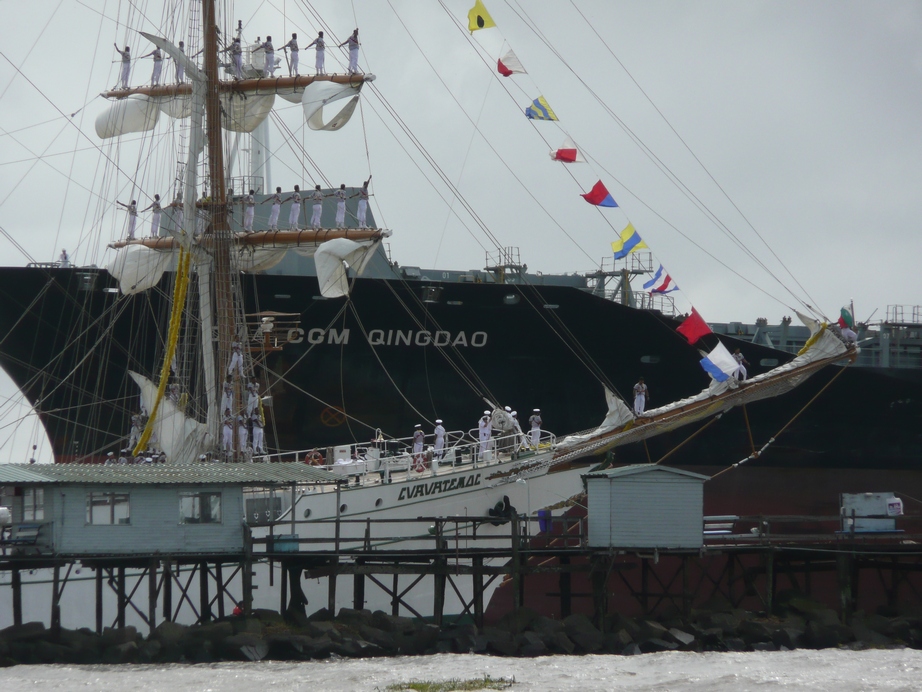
column 486, row 413
column 438, row 421
column 418, row 425
column 515, row 413
column 508, row 409
column 537, row 410
column 201, row 457
column 110, row 454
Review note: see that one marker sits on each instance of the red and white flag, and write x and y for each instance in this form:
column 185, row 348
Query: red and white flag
column 509, row 65
column 568, row 153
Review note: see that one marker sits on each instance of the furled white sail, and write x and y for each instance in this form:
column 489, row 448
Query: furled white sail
column 138, row 268
column 332, row 258
column 182, row 438
column 135, row 113
column 243, row 113
column 618, row 415
column 319, row 94
column 256, row 259
column 175, row 106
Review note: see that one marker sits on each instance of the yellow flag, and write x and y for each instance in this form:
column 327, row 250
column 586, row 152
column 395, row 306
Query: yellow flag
column 479, row 18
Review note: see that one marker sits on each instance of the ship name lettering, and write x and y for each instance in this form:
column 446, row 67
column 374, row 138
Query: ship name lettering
column 405, row 337
column 332, row 336
column 438, row 487
column 295, row 336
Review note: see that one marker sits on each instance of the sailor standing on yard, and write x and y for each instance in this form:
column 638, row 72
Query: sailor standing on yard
column 362, row 194
column 156, row 210
column 236, row 56
column 353, row 43
column 741, row 373
column 317, row 199
column 485, row 427
column 340, row 196
column 295, row 214
column 132, row 216
column 227, row 396
column 243, row 434
column 252, row 396
column 276, row 200
column 535, row 422
column 439, row 439
column 249, row 211
column 293, row 65
column 158, row 65
column 126, row 64
column 269, row 49
column 319, row 45
column 641, row 394
column 180, row 68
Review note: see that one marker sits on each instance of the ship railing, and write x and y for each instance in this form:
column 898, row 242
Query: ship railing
column 378, row 460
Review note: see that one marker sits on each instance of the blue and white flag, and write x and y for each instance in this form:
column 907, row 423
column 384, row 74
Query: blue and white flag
column 720, row 363
column 661, row 282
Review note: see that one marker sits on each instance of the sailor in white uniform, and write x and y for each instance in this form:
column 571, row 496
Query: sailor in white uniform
column 741, row 372
column 135, row 433
column 362, row 194
column 64, row 260
column 353, row 43
column 418, row 438
column 180, row 68
column 258, row 433
column 320, row 46
column 340, row 196
column 156, row 210
column 252, row 397
column 641, row 394
column 269, row 67
column 249, row 211
column 276, row 200
column 227, row 433
column 126, row 64
column 295, row 214
column 174, row 393
column 243, row 433
column 519, row 436
column 439, row 439
column 535, row 422
column 236, row 361
column 485, row 427
column 158, row 65
column 236, row 52
column 293, row 65
column 227, row 396
column 132, row 216
column 317, row 198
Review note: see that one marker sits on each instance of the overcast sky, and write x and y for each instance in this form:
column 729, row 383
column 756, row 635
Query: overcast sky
column 796, row 124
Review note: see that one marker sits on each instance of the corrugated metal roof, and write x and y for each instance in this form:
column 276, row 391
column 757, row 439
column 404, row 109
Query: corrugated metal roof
column 153, row 474
column 622, row 471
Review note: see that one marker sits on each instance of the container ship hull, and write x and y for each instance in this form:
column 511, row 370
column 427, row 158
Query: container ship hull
column 404, row 352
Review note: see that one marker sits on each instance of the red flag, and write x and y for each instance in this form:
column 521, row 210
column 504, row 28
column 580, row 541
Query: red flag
column 568, row 153
column 693, row 328
column 502, row 69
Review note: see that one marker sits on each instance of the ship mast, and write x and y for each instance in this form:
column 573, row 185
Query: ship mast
column 220, row 229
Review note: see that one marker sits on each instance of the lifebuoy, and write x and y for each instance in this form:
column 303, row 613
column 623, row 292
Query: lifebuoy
column 314, row 458
column 419, row 463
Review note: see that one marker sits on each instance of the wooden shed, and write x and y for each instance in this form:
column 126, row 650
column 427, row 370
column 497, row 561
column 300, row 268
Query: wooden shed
column 646, row 506
column 83, row 509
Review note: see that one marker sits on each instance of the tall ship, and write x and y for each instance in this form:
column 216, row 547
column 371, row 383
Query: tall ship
column 366, row 346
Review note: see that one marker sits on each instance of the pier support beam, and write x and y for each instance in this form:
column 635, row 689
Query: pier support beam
column 16, row 583
column 152, row 593
column 122, row 598
column 99, row 624
column 477, row 587
column 358, row 587
column 204, row 601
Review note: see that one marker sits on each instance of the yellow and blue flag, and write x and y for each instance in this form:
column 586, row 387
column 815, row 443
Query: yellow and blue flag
column 540, row 110
column 629, row 242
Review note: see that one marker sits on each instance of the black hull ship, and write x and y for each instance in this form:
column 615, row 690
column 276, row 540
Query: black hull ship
column 400, row 352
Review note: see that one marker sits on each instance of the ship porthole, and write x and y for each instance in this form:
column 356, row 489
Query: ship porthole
column 342, row 508
column 307, row 513
column 378, row 502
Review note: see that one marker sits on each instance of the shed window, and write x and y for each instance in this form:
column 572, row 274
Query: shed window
column 107, row 509
column 199, row 508
column 33, row 504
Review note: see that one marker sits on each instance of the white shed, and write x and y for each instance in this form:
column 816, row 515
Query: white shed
column 646, row 506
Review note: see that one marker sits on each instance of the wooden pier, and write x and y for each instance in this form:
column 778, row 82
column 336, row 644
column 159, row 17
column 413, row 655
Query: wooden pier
column 746, row 565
